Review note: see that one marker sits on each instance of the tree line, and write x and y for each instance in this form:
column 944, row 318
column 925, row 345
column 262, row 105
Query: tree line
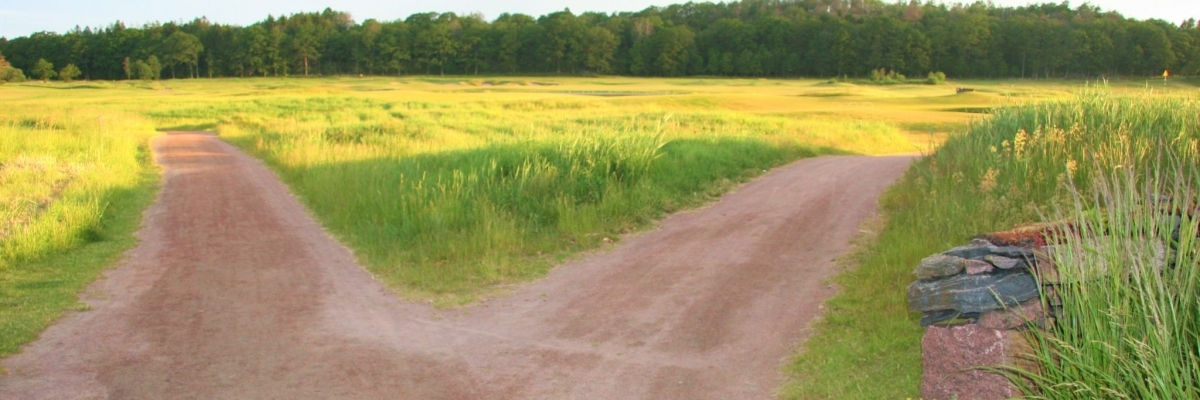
column 749, row 38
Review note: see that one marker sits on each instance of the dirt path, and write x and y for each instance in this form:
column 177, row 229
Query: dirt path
column 236, row 293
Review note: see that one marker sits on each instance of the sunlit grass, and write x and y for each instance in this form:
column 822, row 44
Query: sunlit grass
column 450, row 200
column 999, row 174
column 449, row 189
column 72, row 184
column 1129, row 326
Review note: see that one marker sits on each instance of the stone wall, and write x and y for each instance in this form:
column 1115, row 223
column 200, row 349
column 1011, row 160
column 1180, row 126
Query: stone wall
column 975, row 300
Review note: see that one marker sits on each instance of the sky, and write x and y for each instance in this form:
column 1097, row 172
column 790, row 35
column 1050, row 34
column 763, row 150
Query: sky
column 23, row 17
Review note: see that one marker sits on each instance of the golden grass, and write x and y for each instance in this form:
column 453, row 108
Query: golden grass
column 66, row 148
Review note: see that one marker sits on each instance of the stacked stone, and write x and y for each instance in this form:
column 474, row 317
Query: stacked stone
column 968, row 282
column 974, row 300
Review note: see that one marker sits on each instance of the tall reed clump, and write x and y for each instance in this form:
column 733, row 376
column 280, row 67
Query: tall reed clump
column 998, row 175
column 69, row 178
column 1129, row 324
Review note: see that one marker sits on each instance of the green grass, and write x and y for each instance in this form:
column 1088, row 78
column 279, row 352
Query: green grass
column 540, row 175
column 485, row 194
column 490, row 189
column 1130, row 319
column 73, row 184
column 1001, row 173
column 473, row 219
column 450, row 190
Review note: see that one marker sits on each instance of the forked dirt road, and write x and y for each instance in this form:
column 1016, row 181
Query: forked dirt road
column 236, row 293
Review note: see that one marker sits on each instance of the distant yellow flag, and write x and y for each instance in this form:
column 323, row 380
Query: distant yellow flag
column 1166, row 73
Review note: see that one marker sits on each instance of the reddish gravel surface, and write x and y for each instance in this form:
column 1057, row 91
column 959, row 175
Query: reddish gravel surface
column 236, row 293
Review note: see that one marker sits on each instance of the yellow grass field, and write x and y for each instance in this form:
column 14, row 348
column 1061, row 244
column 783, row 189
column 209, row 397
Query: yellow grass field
column 489, row 181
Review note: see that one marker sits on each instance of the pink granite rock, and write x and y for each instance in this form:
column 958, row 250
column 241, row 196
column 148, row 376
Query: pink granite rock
column 976, row 267
column 1010, row 318
column 949, row 353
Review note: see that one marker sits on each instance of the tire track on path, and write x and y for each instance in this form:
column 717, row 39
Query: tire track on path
column 235, row 292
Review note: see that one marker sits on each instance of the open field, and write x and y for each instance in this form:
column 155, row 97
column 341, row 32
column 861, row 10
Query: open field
column 235, row 291
column 489, row 182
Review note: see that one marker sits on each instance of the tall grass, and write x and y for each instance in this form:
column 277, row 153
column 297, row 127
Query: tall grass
column 56, row 169
column 442, row 189
column 1129, row 325
column 70, row 178
column 450, row 201
column 998, row 175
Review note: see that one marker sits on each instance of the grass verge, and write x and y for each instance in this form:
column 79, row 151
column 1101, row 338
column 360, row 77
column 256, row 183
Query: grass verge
column 997, row 175
column 35, row 293
column 74, row 184
column 1129, row 325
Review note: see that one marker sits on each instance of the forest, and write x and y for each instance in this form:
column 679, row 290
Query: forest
column 750, row 38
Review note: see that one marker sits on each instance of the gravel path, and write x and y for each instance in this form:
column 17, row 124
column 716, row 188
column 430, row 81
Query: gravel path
column 236, row 293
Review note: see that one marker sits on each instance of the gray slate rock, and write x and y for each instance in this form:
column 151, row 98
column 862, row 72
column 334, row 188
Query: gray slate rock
column 976, row 267
column 1013, row 252
column 939, row 266
column 972, row 293
column 934, row 317
column 970, row 251
column 1003, row 262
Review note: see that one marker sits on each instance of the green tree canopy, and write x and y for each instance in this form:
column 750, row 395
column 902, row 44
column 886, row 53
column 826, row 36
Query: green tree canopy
column 69, row 73
column 775, row 38
column 155, row 67
column 142, row 70
column 182, row 48
column 43, row 70
column 599, row 47
column 8, row 73
column 305, row 46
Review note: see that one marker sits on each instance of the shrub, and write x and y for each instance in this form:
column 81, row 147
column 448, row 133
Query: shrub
column 8, row 73
column 936, row 78
column 884, row 76
column 69, row 73
column 43, row 70
column 142, row 70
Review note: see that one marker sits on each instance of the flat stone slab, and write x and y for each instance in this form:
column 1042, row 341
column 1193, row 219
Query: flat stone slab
column 939, row 266
column 972, row 293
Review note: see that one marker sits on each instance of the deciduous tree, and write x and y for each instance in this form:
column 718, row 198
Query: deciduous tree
column 155, row 67
column 43, row 70
column 600, row 47
column 8, row 73
column 142, row 70
column 69, row 73
column 183, row 48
